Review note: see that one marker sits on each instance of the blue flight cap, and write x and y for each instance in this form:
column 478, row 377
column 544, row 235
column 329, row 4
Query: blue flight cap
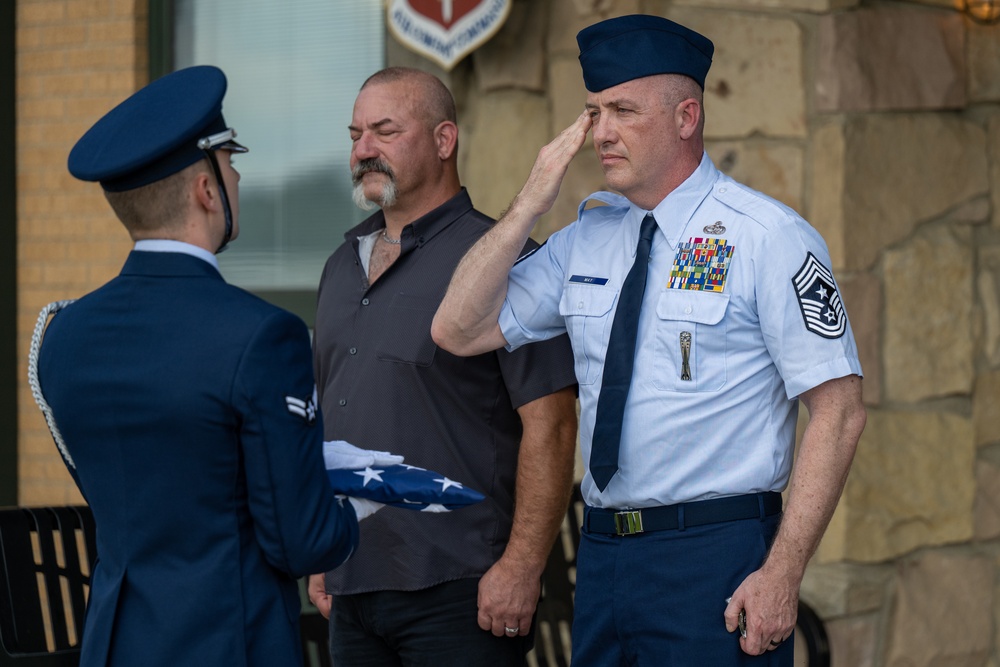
column 159, row 130
column 630, row 47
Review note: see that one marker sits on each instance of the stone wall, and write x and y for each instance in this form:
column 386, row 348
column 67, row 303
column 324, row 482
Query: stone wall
column 880, row 123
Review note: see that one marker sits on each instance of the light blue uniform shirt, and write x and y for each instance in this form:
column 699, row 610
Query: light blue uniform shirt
column 746, row 280
column 168, row 245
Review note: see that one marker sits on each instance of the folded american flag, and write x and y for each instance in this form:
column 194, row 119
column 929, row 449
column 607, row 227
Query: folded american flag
column 402, row 485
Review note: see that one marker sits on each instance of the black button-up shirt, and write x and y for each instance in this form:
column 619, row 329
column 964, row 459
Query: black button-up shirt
column 385, row 385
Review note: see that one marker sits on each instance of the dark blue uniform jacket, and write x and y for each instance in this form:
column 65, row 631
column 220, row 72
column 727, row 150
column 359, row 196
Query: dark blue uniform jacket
column 187, row 407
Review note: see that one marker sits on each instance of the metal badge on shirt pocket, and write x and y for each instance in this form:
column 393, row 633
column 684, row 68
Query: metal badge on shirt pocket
column 700, row 265
column 691, row 341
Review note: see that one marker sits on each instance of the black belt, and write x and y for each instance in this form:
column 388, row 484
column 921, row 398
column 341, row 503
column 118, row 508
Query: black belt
column 682, row 515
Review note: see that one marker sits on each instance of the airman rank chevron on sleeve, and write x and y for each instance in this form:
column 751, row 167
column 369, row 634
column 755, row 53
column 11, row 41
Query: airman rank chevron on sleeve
column 305, row 408
column 822, row 309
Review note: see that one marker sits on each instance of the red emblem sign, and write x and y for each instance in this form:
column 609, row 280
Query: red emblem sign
column 446, row 30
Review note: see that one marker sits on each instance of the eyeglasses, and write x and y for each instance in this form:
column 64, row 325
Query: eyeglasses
column 222, row 141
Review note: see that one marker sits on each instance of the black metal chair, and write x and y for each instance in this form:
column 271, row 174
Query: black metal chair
column 46, row 557
column 811, row 632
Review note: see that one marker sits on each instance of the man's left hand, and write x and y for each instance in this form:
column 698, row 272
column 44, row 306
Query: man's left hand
column 771, row 604
column 508, row 596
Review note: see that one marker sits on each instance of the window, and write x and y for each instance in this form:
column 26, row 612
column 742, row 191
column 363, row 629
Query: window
column 294, row 69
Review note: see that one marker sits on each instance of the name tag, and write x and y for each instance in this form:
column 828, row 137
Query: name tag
column 588, row 280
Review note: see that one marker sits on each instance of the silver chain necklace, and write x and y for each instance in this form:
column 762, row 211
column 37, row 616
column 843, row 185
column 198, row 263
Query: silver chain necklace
column 386, row 238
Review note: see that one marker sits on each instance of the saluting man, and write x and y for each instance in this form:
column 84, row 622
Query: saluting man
column 701, row 313
column 187, row 407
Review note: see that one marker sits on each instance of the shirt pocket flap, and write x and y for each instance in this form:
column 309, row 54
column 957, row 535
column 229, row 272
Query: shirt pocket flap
column 416, row 347
column 697, row 307
column 587, row 300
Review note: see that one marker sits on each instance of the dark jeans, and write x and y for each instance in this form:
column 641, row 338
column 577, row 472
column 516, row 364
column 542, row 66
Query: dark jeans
column 435, row 627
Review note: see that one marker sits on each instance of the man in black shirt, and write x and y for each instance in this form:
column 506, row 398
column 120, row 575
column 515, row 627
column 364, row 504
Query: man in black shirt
column 455, row 589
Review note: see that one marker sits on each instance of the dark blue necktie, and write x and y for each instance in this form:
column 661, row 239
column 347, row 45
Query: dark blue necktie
column 618, row 364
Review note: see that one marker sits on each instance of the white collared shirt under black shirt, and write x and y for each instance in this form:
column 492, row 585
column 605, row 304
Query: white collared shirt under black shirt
column 384, row 385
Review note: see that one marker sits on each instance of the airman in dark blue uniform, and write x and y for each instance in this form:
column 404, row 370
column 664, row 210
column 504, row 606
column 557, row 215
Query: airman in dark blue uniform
column 187, row 407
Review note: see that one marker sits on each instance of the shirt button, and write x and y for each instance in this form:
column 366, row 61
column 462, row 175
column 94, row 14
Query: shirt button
column 353, row 350
column 579, row 306
column 343, row 402
column 722, row 190
column 364, row 301
column 687, row 310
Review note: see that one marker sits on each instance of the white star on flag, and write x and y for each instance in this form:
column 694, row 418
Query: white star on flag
column 435, row 508
column 382, row 477
column 369, row 474
column 446, row 483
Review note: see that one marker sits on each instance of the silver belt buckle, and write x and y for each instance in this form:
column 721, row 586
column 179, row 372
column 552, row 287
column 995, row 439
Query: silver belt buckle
column 628, row 522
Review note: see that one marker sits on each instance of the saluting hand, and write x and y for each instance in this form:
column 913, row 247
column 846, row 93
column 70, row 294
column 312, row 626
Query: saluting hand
column 540, row 190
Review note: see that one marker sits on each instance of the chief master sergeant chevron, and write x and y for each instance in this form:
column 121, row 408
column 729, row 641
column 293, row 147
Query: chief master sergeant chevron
column 700, row 313
column 187, row 408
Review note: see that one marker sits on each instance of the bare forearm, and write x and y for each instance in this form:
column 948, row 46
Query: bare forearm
column 508, row 592
column 769, row 595
column 466, row 320
column 544, row 479
column 837, row 418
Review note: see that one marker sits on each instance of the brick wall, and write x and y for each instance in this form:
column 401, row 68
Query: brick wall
column 75, row 60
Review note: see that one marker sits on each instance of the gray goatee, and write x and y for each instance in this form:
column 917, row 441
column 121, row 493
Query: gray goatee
column 389, row 191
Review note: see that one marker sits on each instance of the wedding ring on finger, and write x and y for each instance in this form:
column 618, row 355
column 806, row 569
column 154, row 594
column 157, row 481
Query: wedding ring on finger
column 511, row 631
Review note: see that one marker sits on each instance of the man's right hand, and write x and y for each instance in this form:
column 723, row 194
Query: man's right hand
column 466, row 322
column 318, row 595
column 542, row 187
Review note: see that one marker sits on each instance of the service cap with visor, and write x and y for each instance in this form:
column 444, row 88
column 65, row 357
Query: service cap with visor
column 162, row 128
